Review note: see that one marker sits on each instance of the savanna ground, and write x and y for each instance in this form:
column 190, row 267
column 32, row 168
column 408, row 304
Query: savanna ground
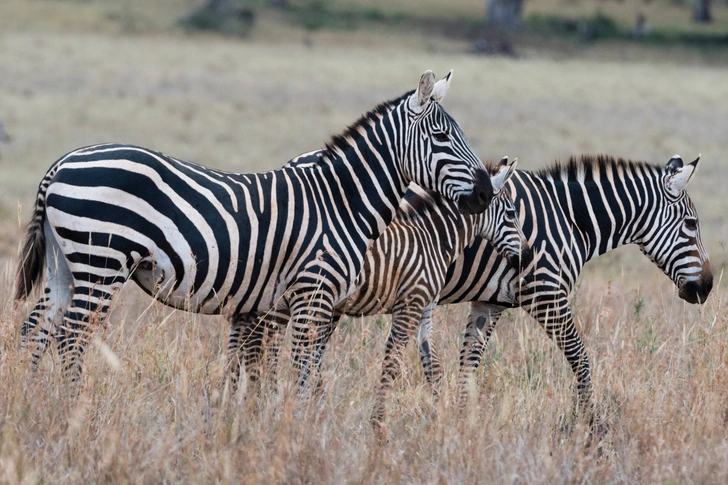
column 153, row 406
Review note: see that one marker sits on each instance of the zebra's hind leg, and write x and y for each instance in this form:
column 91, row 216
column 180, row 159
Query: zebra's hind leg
column 404, row 322
column 481, row 322
column 86, row 311
column 47, row 313
column 428, row 353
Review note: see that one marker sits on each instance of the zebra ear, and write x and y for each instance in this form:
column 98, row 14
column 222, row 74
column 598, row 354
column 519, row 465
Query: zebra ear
column 421, row 97
column 505, row 170
column 441, row 87
column 678, row 175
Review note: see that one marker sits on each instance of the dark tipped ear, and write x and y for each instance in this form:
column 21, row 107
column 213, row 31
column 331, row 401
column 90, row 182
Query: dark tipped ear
column 694, row 163
column 674, row 165
column 441, row 87
column 678, row 175
column 505, row 170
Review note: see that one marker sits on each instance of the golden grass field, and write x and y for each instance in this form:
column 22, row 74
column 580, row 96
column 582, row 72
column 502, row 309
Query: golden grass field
column 153, row 406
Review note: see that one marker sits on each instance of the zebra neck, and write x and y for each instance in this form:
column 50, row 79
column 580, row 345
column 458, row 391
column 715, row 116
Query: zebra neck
column 606, row 214
column 367, row 169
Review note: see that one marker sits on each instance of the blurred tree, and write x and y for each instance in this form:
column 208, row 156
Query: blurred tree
column 701, row 11
column 505, row 15
column 225, row 16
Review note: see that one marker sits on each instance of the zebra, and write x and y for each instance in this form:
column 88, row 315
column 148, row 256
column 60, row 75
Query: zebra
column 215, row 242
column 570, row 213
column 403, row 274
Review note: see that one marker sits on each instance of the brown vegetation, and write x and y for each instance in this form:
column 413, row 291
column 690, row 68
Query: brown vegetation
column 153, row 406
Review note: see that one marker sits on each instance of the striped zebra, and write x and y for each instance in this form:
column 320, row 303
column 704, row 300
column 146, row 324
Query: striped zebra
column 213, row 242
column 571, row 213
column 403, row 274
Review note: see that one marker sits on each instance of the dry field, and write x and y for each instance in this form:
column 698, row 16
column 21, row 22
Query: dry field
column 154, row 408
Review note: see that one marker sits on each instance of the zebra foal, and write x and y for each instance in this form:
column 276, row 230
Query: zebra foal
column 571, row 213
column 209, row 241
column 403, row 274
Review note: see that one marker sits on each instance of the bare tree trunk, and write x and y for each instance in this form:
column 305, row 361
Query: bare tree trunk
column 505, row 15
column 701, row 11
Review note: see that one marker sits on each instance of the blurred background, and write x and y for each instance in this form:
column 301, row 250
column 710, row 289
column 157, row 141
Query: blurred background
column 245, row 85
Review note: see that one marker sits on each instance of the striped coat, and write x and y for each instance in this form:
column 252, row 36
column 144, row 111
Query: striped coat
column 571, row 213
column 215, row 242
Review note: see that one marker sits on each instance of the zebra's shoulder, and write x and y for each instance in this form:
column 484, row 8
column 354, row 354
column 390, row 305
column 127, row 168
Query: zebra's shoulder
column 583, row 167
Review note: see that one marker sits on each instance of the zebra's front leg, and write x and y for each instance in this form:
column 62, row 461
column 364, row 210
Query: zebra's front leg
column 481, row 322
column 561, row 329
column 310, row 321
column 404, row 321
column 428, row 352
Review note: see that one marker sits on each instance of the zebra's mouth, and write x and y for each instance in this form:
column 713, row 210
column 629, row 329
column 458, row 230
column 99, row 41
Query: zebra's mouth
column 696, row 291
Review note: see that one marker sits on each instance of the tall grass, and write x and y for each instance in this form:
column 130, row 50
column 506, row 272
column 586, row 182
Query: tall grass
column 154, row 406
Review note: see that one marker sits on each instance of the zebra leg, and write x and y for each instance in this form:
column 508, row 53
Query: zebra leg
column 328, row 331
column 561, row 329
column 428, row 353
column 88, row 309
column 404, row 322
column 311, row 315
column 481, row 322
column 239, row 329
column 41, row 322
column 250, row 336
column 274, row 333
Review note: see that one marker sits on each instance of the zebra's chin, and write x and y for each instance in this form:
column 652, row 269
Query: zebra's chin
column 696, row 291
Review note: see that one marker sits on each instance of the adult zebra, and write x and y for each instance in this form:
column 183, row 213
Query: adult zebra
column 571, row 213
column 403, row 274
column 215, row 242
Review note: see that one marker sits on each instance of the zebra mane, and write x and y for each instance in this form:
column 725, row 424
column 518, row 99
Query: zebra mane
column 420, row 201
column 414, row 205
column 342, row 140
column 584, row 167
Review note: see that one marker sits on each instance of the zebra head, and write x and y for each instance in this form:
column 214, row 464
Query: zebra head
column 436, row 154
column 673, row 239
column 499, row 223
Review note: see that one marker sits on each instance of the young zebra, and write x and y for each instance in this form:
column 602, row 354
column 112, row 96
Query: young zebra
column 571, row 213
column 403, row 274
column 209, row 241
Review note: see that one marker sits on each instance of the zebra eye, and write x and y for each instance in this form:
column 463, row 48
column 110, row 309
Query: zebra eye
column 691, row 224
column 442, row 136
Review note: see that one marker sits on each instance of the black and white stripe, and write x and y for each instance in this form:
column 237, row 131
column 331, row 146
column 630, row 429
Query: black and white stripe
column 570, row 214
column 215, row 242
column 403, row 274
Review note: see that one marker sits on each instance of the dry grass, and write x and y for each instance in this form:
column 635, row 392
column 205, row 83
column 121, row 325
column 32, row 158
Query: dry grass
column 153, row 407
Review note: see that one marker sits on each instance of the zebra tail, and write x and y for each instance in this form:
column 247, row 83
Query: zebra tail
column 32, row 261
